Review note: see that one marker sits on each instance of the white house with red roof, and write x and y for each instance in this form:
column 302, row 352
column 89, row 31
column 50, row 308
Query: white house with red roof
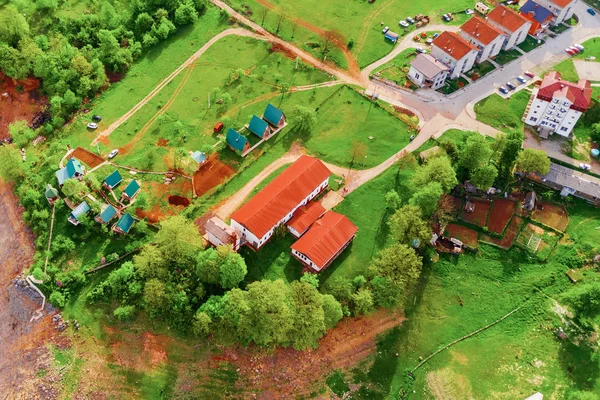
column 324, row 241
column 277, row 202
column 555, row 107
column 562, row 10
column 514, row 25
column 486, row 37
column 454, row 51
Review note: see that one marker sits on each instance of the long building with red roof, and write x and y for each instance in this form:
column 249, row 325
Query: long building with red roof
column 486, row 37
column 274, row 205
column 454, row 51
column 324, row 241
column 555, row 107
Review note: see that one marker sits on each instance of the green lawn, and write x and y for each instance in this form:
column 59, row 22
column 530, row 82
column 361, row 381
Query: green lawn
column 397, row 69
column 529, row 44
column 480, row 70
column 503, row 114
column 452, row 85
column 567, row 70
column 504, row 57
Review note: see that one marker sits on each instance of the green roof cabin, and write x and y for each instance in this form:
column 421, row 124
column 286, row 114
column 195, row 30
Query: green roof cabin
column 274, row 116
column 199, row 157
column 259, row 127
column 131, row 190
column 77, row 212
column 51, row 194
column 236, row 141
column 124, row 224
column 112, row 180
column 73, row 169
column 106, row 215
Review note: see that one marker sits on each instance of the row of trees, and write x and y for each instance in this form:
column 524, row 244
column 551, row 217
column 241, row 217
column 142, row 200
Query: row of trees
column 71, row 54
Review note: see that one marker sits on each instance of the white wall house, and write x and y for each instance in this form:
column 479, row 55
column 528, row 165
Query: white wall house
column 487, row 38
column 561, row 9
column 454, row 51
column 426, row 71
column 514, row 25
column 557, row 105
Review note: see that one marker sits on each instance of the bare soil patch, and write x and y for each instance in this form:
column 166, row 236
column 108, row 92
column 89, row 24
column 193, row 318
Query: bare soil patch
column 553, row 216
column 211, row 174
column 19, row 100
column 509, row 236
column 479, row 214
column 90, row 159
column 502, row 211
column 162, row 142
column 179, row 201
column 466, row 235
column 139, row 352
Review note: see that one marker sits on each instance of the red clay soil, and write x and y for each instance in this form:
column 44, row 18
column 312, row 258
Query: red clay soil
column 509, row 235
column 162, row 142
column 90, row 159
column 553, row 216
column 211, row 174
column 502, row 211
column 278, row 48
column 159, row 193
column 22, row 104
column 179, row 201
column 466, row 235
column 287, row 373
column 479, row 214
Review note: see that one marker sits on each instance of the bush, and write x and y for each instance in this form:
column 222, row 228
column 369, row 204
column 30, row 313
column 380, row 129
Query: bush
column 57, row 299
column 123, row 313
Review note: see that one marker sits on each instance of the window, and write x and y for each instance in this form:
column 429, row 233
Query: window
column 533, row 119
column 564, row 128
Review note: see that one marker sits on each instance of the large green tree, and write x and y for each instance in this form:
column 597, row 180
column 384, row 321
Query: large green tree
column 437, row 169
column 178, row 240
column 221, row 265
column 398, row 263
column 13, row 26
column 533, row 161
column 510, row 153
column 303, row 119
column 427, row 197
column 407, row 224
column 484, row 177
column 475, row 153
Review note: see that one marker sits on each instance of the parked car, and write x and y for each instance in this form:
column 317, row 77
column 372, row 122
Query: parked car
column 521, row 79
column 421, row 50
column 511, row 86
column 92, row 125
column 113, row 153
column 530, row 75
column 586, row 167
column 96, row 118
column 218, row 127
column 384, row 30
column 403, row 24
column 469, row 11
column 575, row 49
column 578, row 46
column 446, row 18
column 569, row 51
column 410, row 20
column 435, row 35
column 591, row 11
column 429, row 41
column 502, row 90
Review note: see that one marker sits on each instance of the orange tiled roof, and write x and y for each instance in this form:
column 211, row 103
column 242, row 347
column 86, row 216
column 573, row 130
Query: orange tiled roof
column 562, row 3
column 305, row 216
column 326, row 238
column 481, row 30
column 453, row 44
column 269, row 206
column 506, row 17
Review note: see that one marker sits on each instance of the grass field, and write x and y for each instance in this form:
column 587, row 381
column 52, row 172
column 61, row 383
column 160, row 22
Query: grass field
column 503, row 114
column 504, row 57
column 397, row 69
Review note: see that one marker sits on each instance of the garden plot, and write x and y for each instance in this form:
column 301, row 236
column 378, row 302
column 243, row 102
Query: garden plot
column 211, row 174
column 466, row 235
column 509, row 235
column 553, row 216
column 502, row 210
column 90, row 159
column 537, row 240
column 476, row 212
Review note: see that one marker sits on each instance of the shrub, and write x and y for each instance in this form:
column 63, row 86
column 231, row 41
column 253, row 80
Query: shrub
column 57, row 299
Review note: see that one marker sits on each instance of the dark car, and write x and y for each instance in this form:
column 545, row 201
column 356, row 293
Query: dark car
column 510, row 86
column 591, row 11
column 502, row 90
column 96, row 118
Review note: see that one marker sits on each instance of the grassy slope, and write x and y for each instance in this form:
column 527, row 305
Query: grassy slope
column 503, row 114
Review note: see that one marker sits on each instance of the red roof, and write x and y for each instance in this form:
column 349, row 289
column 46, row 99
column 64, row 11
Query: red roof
column 580, row 93
column 562, row 3
column 480, row 30
column 326, row 238
column 269, row 206
column 453, row 44
column 305, row 216
column 507, row 18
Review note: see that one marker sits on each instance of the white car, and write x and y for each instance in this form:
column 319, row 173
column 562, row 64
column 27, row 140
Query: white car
column 113, row 153
column 578, row 46
column 403, row 24
column 92, row 125
column 384, row 30
column 584, row 166
column 469, row 11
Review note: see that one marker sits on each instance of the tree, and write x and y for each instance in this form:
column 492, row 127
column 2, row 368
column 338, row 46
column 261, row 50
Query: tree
column 57, row 299
column 510, row 153
column 13, row 26
column 437, row 169
column 406, row 225
column 281, row 14
column 75, row 189
column 21, row 133
column 11, row 164
column 533, row 161
column 332, row 311
column 484, row 177
column 596, row 131
column 155, row 297
column 585, row 299
column 398, row 263
column 178, row 240
column 581, row 395
column 475, row 154
column 202, row 324
column 328, row 40
column 363, row 301
column 427, row 198
column 150, row 263
column 186, row 14
column 392, row 200
column 309, row 317
column 311, row 279
column 263, row 14
column 303, row 119
column 385, row 293
column 123, row 313
column 221, row 265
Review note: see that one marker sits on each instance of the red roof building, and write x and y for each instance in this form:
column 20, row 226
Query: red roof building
column 455, row 52
column 514, row 25
column 276, row 203
column 304, row 217
column 579, row 94
column 480, row 30
column 324, row 241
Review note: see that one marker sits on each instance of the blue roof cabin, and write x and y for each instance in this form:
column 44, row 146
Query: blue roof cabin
column 199, row 157
column 73, row 169
column 51, row 194
column 80, row 210
column 236, row 141
column 274, row 116
column 112, row 180
column 391, row 36
column 106, row 215
column 131, row 190
column 259, row 127
column 124, row 224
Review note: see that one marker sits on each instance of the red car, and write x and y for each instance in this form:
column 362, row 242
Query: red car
column 529, row 74
column 218, row 127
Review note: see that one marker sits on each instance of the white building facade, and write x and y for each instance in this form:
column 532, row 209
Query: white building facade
column 452, row 50
column 561, row 9
column 487, row 38
column 514, row 26
column 426, row 71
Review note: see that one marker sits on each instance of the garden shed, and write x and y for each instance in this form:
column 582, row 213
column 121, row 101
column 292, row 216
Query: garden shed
column 106, row 215
column 112, row 180
column 131, row 190
column 124, row 224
